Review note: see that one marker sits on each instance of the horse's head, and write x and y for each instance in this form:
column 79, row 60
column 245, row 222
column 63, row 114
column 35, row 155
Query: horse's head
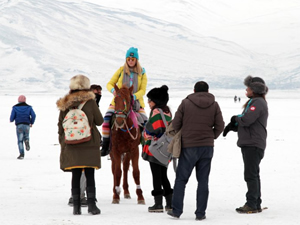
column 122, row 103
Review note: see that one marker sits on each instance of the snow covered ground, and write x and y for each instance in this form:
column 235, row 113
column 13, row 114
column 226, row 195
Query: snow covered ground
column 35, row 191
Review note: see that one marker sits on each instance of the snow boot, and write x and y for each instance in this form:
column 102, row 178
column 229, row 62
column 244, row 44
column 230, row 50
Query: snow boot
column 83, row 202
column 157, row 207
column 168, row 198
column 27, row 146
column 171, row 213
column 105, row 147
column 70, row 202
column 91, row 201
column 200, row 218
column 246, row 209
column 21, row 156
column 76, row 201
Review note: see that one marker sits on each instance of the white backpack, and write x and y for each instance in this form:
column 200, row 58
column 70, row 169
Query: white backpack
column 76, row 126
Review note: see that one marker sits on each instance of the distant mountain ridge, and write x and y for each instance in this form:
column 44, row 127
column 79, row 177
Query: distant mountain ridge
column 44, row 43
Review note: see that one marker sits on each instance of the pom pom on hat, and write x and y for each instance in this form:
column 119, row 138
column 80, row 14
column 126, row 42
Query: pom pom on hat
column 22, row 98
column 256, row 84
column 79, row 82
column 132, row 52
column 159, row 96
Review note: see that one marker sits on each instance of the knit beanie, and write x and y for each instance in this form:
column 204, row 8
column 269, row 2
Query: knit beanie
column 159, row 96
column 22, row 98
column 132, row 52
column 256, row 84
column 79, row 82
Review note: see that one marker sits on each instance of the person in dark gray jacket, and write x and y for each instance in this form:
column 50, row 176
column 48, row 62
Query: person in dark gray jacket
column 251, row 126
column 201, row 122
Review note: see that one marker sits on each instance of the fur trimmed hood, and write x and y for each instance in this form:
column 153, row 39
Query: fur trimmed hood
column 74, row 99
column 256, row 84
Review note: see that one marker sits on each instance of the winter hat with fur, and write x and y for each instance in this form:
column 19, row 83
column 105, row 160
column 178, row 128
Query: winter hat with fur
column 159, row 96
column 22, row 98
column 132, row 52
column 256, row 84
column 79, row 82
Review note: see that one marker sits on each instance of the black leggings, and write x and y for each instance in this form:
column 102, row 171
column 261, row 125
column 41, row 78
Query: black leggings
column 161, row 184
column 89, row 174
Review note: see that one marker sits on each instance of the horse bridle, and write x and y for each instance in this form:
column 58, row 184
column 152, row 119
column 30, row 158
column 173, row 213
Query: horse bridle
column 124, row 114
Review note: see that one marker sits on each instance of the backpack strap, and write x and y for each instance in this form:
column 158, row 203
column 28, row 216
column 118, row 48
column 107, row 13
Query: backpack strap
column 163, row 117
column 80, row 106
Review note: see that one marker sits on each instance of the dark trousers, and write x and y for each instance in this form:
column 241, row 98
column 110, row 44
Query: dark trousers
column 190, row 158
column 89, row 174
column 161, row 183
column 252, row 157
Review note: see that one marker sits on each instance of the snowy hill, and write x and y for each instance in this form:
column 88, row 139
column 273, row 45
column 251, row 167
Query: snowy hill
column 44, row 43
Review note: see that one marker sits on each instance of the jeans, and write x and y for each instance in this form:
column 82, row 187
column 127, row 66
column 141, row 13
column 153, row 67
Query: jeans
column 252, row 157
column 22, row 135
column 190, row 158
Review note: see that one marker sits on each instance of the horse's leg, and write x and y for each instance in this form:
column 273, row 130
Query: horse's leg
column 116, row 168
column 126, row 160
column 136, row 175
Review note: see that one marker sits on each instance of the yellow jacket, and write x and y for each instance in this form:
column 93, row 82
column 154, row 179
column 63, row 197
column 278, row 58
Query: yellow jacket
column 117, row 78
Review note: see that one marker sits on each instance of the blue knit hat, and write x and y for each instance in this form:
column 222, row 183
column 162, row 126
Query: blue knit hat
column 132, row 52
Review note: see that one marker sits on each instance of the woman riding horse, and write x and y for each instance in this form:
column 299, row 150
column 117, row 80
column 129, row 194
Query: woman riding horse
column 131, row 74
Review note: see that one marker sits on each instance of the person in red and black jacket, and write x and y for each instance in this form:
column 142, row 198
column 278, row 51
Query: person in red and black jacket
column 154, row 128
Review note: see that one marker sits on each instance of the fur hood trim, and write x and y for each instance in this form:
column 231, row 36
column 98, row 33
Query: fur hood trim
column 74, row 99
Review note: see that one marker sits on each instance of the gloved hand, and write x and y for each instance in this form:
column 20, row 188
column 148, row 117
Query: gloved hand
column 230, row 127
column 232, row 120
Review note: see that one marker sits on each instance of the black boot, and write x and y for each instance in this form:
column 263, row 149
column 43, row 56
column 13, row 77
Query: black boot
column 157, row 207
column 76, row 201
column 21, row 156
column 91, row 201
column 168, row 198
column 105, row 147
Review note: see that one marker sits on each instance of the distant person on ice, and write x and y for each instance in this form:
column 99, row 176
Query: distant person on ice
column 24, row 118
column 251, row 126
column 201, row 122
column 235, row 98
column 86, row 155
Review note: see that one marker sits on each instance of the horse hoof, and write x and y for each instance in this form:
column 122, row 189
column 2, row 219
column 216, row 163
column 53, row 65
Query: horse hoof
column 115, row 201
column 141, row 202
column 127, row 196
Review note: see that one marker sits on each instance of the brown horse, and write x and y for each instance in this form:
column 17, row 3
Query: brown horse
column 125, row 139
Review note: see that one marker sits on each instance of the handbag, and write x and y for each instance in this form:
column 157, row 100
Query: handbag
column 159, row 147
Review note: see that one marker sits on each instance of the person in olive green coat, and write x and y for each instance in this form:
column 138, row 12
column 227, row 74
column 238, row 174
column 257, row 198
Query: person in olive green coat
column 76, row 157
